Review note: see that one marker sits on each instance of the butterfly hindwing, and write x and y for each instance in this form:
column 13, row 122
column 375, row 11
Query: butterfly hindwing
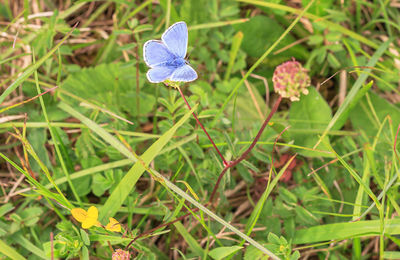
column 159, row 74
column 176, row 39
column 184, row 73
column 156, row 53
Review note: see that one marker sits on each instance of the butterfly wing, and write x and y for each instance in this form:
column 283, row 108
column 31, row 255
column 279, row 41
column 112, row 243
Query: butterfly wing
column 184, row 73
column 155, row 53
column 159, row 74
column 176, row 39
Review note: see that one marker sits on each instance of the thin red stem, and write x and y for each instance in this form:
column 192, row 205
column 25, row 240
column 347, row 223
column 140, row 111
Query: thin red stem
column 202, row 127
column 244, row 155
column 227, row 166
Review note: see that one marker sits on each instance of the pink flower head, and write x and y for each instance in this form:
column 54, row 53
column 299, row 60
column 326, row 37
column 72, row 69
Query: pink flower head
column 290, row 80
column 120, row 254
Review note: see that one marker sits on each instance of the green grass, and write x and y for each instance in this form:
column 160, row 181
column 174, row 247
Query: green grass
column 82, row 126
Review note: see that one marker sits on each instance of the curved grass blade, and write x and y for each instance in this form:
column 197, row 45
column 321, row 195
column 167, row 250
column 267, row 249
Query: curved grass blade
column 329, row 24
column 339, row 231
column 10, row 252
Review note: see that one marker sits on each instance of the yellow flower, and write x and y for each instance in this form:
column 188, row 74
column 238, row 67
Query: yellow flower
column 113, row 225
column 87, row 218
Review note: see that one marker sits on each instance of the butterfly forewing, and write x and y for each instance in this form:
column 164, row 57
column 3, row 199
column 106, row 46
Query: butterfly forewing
column 155, row 53
column 176, row 39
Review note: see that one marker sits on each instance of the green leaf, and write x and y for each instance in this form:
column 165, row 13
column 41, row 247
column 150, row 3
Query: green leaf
column 261, row 32
column 38, row 139
column 295, row 255
column 362, row 117
column 274, row 239
column 252, row 253
column 309, row 114
column 109, row 86
column 100, row 184
column 85, row 237
column 85, row 253
column 30, row 216
column 5, row 209
column 222, row 252
column 287, row 196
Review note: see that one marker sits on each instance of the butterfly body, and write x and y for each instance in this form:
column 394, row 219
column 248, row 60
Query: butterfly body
column 176, row 63
column 166, row 58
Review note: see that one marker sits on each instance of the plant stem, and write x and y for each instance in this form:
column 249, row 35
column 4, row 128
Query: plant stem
column 160, row 226
column 244, row 155
column 202, row 127
column 227, row 166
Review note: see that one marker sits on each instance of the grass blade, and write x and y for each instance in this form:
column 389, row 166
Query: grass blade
column 120, row 147
column 258, row 62
column 343, row 111
column 128, row 182
column 339, row 231
column 10, row 252
column 33, row 68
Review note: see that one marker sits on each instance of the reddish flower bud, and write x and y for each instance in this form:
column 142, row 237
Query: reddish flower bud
column 290, row 80
column 120, row 254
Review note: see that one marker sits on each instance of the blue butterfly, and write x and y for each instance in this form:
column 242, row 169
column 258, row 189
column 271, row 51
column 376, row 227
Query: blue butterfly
column 166, row 58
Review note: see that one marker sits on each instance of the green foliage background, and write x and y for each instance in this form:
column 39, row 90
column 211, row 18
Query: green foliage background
column 107, row 137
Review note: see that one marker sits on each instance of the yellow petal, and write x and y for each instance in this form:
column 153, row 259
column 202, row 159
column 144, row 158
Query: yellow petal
column 89, row 222
column 113, row 225
column 91, row 218
column 93, row 212
column 79, row 214
column 98, row 224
